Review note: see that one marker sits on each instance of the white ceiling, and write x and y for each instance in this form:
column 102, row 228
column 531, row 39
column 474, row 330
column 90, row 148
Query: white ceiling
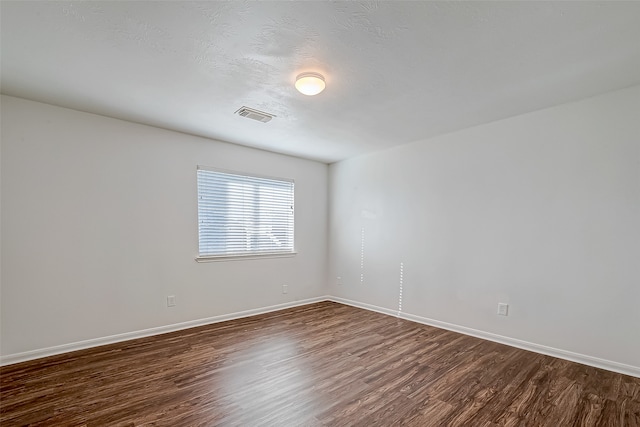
column 396, row 71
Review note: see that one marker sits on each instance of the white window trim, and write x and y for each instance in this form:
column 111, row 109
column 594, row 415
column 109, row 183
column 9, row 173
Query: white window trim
column 250, row 256
column 218, row 258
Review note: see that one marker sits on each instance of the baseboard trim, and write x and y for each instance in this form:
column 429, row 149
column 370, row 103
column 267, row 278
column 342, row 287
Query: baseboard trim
column 81, row 345
column 609, row 365
column 525, row 345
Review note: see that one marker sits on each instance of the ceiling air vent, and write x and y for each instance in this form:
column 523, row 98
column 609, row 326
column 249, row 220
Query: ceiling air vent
column 250, row 113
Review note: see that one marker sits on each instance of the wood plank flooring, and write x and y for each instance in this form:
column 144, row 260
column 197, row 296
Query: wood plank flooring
column 324, row 364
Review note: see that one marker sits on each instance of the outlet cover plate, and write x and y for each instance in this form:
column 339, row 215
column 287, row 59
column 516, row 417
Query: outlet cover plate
column 503, row 309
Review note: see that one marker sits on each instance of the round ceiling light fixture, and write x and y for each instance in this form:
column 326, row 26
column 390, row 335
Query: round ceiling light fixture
column 310, row 83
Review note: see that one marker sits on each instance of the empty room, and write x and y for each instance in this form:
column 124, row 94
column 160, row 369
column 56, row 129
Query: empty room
column 314, row 213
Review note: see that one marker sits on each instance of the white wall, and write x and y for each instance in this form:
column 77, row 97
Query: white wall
column 541, row 211
column 99, row 226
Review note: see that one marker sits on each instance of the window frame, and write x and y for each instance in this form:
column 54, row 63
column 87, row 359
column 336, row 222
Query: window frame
column 250, row 255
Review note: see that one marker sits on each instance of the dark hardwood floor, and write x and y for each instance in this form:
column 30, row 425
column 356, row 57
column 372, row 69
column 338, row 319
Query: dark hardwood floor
column 324, row 364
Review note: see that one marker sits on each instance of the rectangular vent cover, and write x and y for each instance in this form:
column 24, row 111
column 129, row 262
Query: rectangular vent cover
column 251, row 113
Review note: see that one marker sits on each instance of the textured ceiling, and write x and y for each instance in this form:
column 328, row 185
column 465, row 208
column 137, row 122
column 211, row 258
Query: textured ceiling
column 396, row 71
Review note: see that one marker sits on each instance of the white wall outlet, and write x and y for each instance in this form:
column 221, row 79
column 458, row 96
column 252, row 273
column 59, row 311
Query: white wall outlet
column 338, row 280
column 171, row 300
column 285, row 289
column 503, row 309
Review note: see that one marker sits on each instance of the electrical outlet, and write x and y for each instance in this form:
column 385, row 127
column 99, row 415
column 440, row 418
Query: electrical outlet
column 171, row 300
column 338, row 280
column 285, row 289
column 503, row 309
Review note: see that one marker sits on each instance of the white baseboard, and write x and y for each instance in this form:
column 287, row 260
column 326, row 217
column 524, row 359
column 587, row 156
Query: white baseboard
column 609, row 365
column 81, row 345
column 537, row 348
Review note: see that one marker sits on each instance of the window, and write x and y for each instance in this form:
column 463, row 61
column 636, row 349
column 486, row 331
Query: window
column 242, row 214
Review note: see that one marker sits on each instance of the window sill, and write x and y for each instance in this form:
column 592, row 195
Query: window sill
column 218, row 258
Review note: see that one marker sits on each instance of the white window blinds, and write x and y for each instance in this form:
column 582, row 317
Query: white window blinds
column 244, row 214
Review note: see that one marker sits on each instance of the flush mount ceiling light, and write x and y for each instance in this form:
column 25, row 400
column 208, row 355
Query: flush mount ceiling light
column 310, row 83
